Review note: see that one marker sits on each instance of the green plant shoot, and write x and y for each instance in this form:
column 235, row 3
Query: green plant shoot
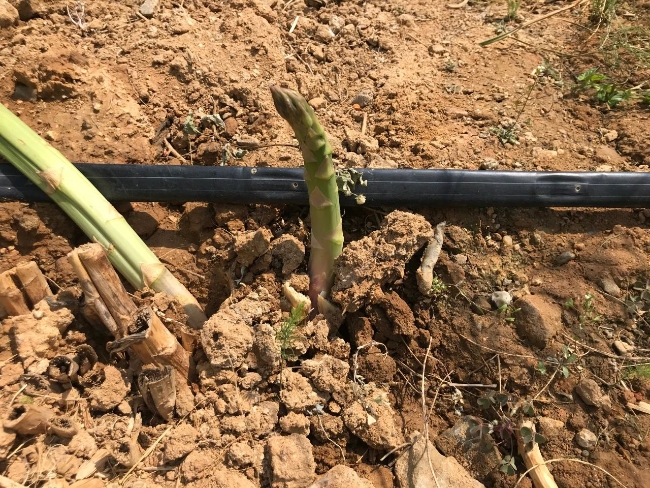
column 324, row 207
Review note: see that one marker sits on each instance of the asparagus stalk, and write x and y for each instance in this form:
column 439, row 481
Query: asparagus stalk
column 325, row 211
column 86, row 206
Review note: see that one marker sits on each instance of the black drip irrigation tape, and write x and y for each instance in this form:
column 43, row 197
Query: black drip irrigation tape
column 386, row 187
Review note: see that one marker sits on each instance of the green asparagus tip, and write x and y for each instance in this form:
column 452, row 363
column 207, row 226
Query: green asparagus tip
column 292, row 107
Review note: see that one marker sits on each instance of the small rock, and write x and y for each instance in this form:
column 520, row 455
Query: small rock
column 507, row 241
column 586, row 438
column 251, row 245
column 539, row 153
column 182, row 25
column 623, row 348
column 230, row 127
column 149, row 7
column 298, row 394
column 290, row 251
column 50, row 135
column 437, row 49
column 8, row 15
column 318, row 103
column 241, row 455
column 323, row 34
column 327, row 373
column 551, row 428
column 609, row 286
column 609, row 135
column 291, row 461
column 295, row 423
column 501, row 298
column 341, row 476
column 489, row 164
column 412, row 469
column 209, row 153
column 179, row 443
column 377, row 429
column 591, row 394
column 564, row 258
column 537, row 319
column 604, row 168
column 363, row 99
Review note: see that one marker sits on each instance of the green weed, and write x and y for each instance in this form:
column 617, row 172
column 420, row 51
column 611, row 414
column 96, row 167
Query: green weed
column 437, row 286
column 287, row 334
column 561, row 361
column 642, row 371
column 587, row 313
column 603, row 11
column 603, row 90
column 513, row 9
column 508, row 311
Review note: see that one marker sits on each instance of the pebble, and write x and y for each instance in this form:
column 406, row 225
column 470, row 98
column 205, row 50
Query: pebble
column 507, row 241
column 50, row 135
column 489, row 164
column 623, row 348
column 551, row 427
column 539, row 153
column 8, row 15
column 148, row 8
column 230, row 126
column 610, row 287
column 318, row 103
column 609, row 135
column 437, row 49
column 323, row 34
column 591, row 394
column 586, row 438
column 538, row 319
column 363, row 99
column 407, row 19
column 501, row 298
column 604, row 168
column 564, row 258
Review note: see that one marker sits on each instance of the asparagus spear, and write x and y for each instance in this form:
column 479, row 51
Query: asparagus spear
column 55, row 175
column 325, row 211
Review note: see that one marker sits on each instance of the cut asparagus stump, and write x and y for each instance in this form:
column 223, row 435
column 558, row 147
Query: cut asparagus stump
column 86, row 206
column 325, row 212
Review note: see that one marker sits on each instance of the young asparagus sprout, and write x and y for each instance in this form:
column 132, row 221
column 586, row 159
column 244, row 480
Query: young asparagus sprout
column 325, row 211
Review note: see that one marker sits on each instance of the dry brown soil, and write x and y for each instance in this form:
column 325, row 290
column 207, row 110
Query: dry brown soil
column 121, row 90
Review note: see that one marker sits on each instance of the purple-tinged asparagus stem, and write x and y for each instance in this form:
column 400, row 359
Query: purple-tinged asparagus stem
column 325, row 211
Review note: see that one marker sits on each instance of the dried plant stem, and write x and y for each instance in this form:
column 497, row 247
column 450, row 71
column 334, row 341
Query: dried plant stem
column 11, row 298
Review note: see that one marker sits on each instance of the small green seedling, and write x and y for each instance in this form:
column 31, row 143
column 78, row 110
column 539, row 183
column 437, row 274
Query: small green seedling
column 513, row 9
column 508, row 311
column 588, row 313
column 287, row 334
column 530, row 437
column 437, row 286
column 507, row 465
column 604, row 91
column 642, row 371
column 492, row 398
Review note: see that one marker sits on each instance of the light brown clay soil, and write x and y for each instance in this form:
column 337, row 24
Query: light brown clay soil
column 432, row 96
